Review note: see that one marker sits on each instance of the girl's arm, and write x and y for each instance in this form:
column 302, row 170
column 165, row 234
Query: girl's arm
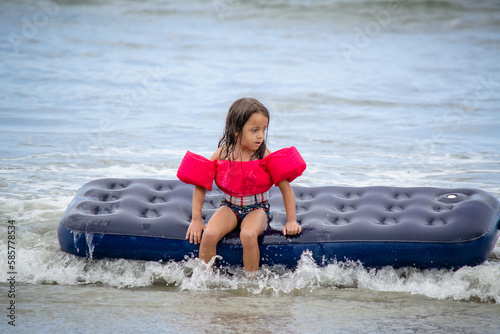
column 291, row 226
column 196, row 227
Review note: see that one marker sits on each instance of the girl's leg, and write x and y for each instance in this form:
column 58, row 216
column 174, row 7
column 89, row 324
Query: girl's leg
column 222, row 222
column 251, row 227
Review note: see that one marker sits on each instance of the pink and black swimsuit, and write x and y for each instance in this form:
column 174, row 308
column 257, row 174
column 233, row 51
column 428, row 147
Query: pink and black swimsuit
column 245, row 184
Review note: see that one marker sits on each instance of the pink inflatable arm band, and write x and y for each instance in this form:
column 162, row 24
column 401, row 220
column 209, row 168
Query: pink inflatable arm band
column 197, row 170
column 285, row 164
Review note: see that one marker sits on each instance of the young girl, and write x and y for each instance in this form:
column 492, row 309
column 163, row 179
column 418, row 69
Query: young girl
column 244, row 169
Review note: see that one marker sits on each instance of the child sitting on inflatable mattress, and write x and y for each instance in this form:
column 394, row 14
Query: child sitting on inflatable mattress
column 244, row 169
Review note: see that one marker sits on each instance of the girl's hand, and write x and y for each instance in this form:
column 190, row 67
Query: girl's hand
column 292, row 228
column 195, row 231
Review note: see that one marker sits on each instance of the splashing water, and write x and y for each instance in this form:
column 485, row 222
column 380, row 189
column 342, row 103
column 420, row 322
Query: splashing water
column 40, row 266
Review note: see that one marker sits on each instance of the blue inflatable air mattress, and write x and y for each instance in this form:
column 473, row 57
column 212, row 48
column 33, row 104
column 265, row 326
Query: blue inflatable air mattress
column 147, row 219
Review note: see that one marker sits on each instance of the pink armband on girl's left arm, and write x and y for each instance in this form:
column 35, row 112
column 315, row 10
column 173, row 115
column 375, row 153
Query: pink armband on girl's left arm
column 285, row 164
column 197, row 170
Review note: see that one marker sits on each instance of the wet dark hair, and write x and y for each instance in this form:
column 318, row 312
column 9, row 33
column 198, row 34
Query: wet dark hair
column 239, row 113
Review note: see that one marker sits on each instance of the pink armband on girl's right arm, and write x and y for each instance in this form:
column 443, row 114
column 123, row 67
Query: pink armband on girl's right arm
column 197, row 170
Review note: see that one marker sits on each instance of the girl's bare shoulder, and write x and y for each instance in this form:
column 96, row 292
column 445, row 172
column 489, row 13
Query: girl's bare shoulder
column 268, row 151
column 218, row 153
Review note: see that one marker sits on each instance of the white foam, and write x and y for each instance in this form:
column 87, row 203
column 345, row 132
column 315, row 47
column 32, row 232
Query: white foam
column 41, row 262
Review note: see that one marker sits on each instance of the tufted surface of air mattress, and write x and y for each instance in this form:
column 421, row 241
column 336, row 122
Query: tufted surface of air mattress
column 147, row 219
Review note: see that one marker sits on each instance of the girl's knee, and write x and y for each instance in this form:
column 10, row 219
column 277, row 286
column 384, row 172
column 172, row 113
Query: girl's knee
column 211, row 236
column 248, row 236
column 252, row 226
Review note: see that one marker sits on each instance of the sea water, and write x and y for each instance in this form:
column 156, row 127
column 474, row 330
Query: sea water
column 393, row 93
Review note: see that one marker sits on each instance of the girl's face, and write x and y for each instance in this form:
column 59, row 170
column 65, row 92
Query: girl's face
column 253, row 132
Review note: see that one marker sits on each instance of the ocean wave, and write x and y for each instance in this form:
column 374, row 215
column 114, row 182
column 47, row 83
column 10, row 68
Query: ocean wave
column 43, row 263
